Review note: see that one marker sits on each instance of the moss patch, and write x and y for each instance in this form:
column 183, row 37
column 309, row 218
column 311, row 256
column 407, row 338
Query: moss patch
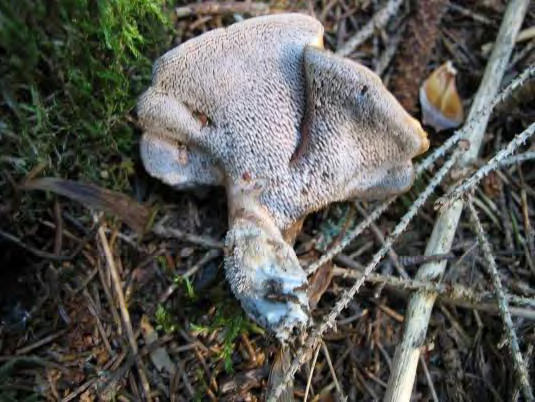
column 70, row 73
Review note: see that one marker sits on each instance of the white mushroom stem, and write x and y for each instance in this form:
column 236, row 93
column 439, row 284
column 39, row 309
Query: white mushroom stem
column 420, row 305
column 262, row 269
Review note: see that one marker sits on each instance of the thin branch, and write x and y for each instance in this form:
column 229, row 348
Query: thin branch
column 429, row 379
column 217, row 8
column 339, row 391
column 518, row 361
column 456, row 294
column 378, row 21
column 520, row 158
column 421, row 303
column 388, row 54
column 495, row 163
column 309, row 380
column 162, row 230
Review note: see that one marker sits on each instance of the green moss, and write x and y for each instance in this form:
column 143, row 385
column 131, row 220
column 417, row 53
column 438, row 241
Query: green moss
column 70, row 73
column 231, row 322
column 164, row 320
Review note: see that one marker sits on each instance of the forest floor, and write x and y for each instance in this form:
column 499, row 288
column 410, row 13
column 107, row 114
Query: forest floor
column 70, row 75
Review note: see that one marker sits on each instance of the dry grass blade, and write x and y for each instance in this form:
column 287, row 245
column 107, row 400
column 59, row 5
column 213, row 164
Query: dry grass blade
column 279, row 368
column 339, row 391
column 519, row 365
column 311, row 374
column 125, row 315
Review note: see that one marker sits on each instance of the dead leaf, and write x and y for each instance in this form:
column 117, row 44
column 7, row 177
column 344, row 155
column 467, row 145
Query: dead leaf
column 319, row 283
column 492, row 185
column 442, row 108
column 134, row 214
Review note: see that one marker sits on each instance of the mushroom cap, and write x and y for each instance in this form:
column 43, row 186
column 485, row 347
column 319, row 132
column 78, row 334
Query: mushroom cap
column 351, row 112
column 177, row 165
column 319, row 128
column 247, row 79
column 357, row 139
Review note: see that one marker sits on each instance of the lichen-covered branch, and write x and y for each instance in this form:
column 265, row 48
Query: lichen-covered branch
column 495, row 163
column 450, row 293
column 421, row 303
column 518, row 361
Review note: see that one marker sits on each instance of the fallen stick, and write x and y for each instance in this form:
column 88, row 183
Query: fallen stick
column 492, row 268
column 457, row 295
column 216, row 8
column 499, row 159
column 420, row 305
column 378, row 21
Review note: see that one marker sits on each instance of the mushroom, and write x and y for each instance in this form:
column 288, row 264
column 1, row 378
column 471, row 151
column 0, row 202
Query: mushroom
column 287, row 128
column 177, row 165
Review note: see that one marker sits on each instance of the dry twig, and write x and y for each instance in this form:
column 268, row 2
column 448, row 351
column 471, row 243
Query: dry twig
column 420, row 305
column 378, row 21
column 518, row 361
column 455, row 294
column 496, row 162
column 217, row 8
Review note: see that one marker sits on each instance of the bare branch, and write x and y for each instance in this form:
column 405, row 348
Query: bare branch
column 217, row 8
column 498, row 160
column 421, row 303
column 378, row 21
column 455, row 294
column 518, row 361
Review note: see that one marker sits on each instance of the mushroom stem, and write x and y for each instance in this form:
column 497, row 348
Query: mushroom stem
column 244, row 204
column 261, row 267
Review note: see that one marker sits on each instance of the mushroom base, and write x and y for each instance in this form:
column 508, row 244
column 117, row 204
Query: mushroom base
column 262, row 269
